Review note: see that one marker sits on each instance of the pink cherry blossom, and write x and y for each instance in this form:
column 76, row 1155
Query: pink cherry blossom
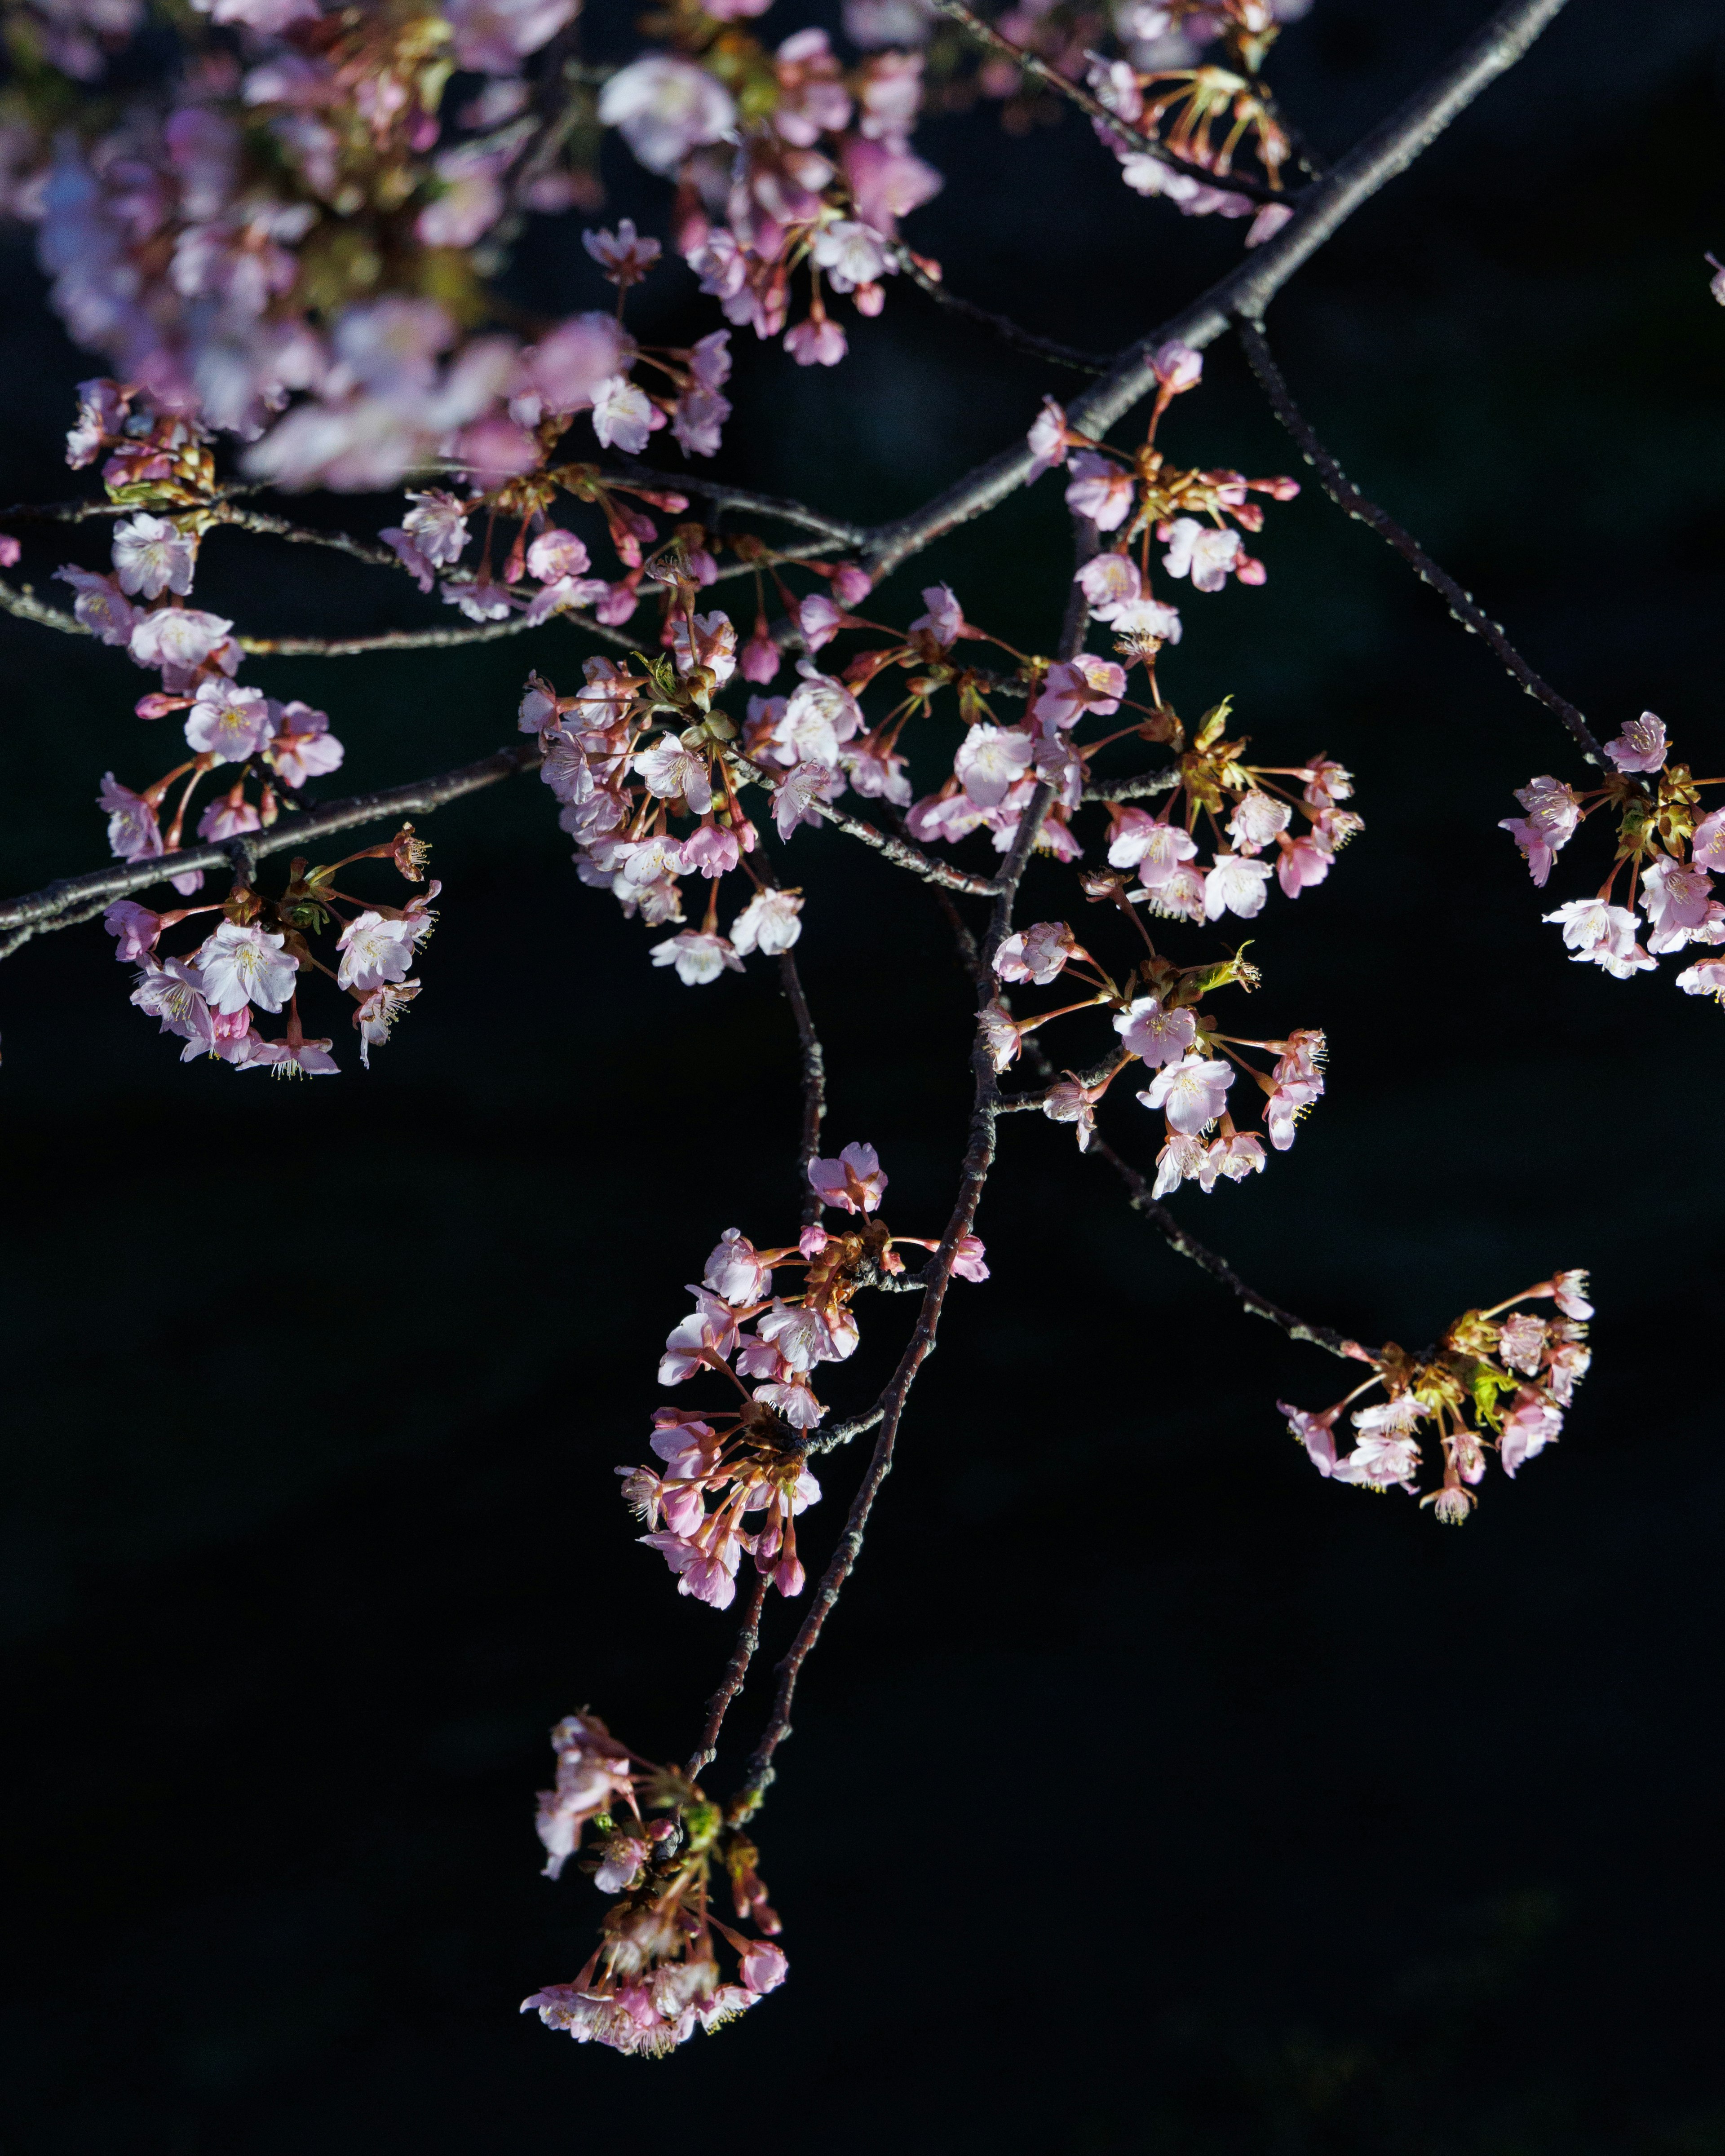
column 302, row 746
column 1099, row 489
column 1531, row 1425
column 1037, row 954
column 1190, row 1093
column 771, row 922
column 292, row 1059
column 664, row 107
column 135, row 928
column 1072, row 688
column 1177, row 367
column 673, row 772
column 736, row 1270
column 817, row 342
column 174, row 992
column 1705, row 979
column 624, row 255
column 1570, row 1290
column 243, row 966
column 1316, row 1433
column 1154, row 848
column 1258, row 820
column 1159, row 1036
column 1196, row 550
column 151, row 555
column 1641, row 745
column 795, row 797
column 709, row 1329
column 1679, row 902
column 1520, row 1341
column 1182, row 1160
column 622, row 416
column 1602, row 935
column 1237, row 1157
column 1072, row 1101
column 944, row 619
column 228, row 722
column 180, row 637
column 967, row 1262
column 989, row 760
column 134, row 834
column 1236, row 885
column 101, row 607
column 374, row 950
column 1048, row 439
column 855, row 1180
column 1707, row 847
column 1380, row 1461
column 698, row 957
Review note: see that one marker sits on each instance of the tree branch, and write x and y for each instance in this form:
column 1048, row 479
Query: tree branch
column 814, row 1083
column 1008, row 331
column 80, row 898
column 1149, row 146
column 1462, row 605
column 748, row 1638
column 1248, row 289
column 938, row 1274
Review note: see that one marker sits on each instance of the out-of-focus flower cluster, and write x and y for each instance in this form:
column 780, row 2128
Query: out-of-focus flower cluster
column 1668, row 851
column 259, row 953
column 657, row 1841
column 1499, row 1381
column 753, row 1457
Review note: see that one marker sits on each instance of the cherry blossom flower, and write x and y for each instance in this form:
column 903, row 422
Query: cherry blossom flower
column 1072, row 688
column 1705, row 979
column 174, row 992
column 1602, row 935
column 229, row 723
column 1110, row 582
column 771, row 922
column 593, row 1769
column 100, row 605
column 674, row 773
column 737, row 1272
column 1681, row 908
column 1156, row 849
column 1159, row 1036
column 1048, row 440
column 624, row 255
column 302, row 746
column 1531, row 1424
column 1235, row 885
column 1521, row 1343
column 1196, row 550
column 855, row 1180
column 1381, row 1460
column 1316, row 1433
column 374, row 950
column 1037, row 954
column 1302, row 862
column 622, row 415
column 1641, row 745
column 135, row 928
column 1553, row 813
column 1570, row 1290
column 243, row 966
column 1237, row 1157
column 1190, row 1093
column 1072, row 1101
column 376, row 1014
column 944, row 619
column 698, row 957
column 1182, row 1160
column 134, row 834
column 1177, row 367
column 709, row 1329
column 177, row 639
column 1001, row 1034
column 292, row 1059
column 795, row 797
column 1258, row 821
column 151, row 555
column 968, row 1261
column 819, row 341
column 1707, row 849
column 1100, row 490
column 663, row 107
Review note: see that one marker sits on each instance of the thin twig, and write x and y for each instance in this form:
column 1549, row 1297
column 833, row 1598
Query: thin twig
column 1248, row 289
column 428, row 640
column 937, row 1275
column 748, row 1638
column 1218, row 1267
column 81, row 898
column 1136, row 788
column 1462, row 605
column 899, row 851
column 839, row 529
column 815, row 1083
column 1007, row 331
column 1149, row 146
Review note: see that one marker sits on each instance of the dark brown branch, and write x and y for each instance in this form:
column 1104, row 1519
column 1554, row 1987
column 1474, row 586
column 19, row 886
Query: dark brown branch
column 81, row 898
column 1217, row 1268
column 748, row 1638
column 839, row 529
column 938, row 1274
column 1248, row 289
column 1032, row 64
column 899, row 851
column 814, row 1083
column 1002, row 326
column 1462, row 605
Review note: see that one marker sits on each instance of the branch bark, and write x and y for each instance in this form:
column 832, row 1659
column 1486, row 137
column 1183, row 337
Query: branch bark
column 1247, row 290
column 1462, row 605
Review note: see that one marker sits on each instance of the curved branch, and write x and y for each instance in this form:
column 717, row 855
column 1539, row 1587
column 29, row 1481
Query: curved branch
column 1007, row 331
column 1149, row 146
column 1248, row 289
column 1462, row 605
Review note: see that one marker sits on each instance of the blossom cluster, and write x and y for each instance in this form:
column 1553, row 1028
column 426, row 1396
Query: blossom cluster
column 1669, row 848
column 259, row 953
column 1496, row 1382
column 1158, row 1018
column 754, row 1457
column 655, row 1976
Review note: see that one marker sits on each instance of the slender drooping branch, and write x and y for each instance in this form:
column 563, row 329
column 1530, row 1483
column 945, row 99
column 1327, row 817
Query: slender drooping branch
column 1462, row 605
column 1007, row 331
column 937, row 1275
column 748, row 1638
column 1149, row 146
column 815, row 1083
column 1142, row 1201
column 81, row 898
column 1248, row 289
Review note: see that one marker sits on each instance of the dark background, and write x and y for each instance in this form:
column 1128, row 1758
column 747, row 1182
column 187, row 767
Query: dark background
column 1148, row 1792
